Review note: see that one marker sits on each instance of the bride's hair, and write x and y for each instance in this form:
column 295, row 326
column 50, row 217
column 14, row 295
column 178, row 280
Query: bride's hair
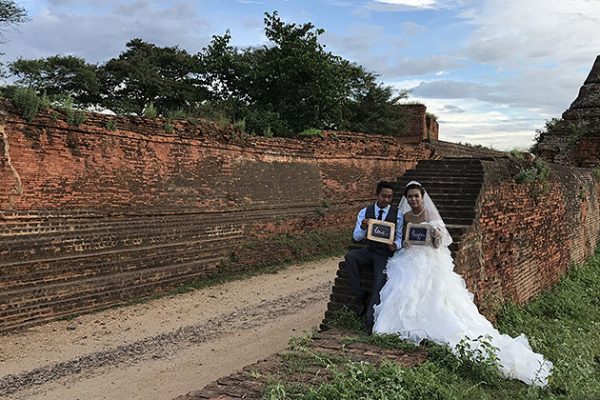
column 414, row 186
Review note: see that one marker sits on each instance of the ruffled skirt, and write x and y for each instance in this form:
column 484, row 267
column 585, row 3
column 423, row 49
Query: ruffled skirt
column 425, row 299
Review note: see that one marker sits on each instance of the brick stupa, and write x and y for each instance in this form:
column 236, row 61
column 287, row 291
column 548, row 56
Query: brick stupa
column 575, row 140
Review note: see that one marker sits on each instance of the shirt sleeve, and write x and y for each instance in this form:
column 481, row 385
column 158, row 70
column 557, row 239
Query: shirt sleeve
column 359, row 233
column 399, row 229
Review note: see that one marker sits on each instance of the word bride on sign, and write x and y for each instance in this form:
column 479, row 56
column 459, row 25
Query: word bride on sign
column 419, row 234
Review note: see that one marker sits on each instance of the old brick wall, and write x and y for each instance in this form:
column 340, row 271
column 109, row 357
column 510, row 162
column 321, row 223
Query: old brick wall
column 527, row 235
column 575, row 139
column 91, row 217
column 448, row 149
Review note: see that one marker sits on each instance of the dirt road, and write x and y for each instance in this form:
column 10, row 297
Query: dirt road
column 166, row 347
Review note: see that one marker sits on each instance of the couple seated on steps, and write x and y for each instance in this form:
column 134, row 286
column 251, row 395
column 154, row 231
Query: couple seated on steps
column 415, row 292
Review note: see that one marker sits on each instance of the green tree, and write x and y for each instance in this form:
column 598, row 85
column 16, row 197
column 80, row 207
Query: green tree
column 59, row 76
column 293, row 84
column 303, row 83
column 373, row 107
column 11, row 14
column 167, row 77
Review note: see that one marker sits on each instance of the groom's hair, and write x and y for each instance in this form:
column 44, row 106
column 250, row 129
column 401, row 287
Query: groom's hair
column 383, row 185
column 414, row 186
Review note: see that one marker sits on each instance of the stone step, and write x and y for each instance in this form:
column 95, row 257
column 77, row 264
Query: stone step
column 457, row 220
column 456, row 213
column 448, row 170
column 434, row 176
column 453, row 160
column 440, row 166
column 429, row 181
column 445, row 202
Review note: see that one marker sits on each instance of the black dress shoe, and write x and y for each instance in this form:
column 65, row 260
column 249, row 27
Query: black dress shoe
column 359, row 306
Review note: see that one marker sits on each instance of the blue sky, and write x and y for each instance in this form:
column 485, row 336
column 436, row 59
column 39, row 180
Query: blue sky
column 492, row 70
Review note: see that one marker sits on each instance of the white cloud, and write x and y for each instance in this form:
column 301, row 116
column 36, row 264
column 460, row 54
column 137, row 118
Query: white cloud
column 479, row 122
column 410, row 3
column 533, row 31
column 410, row 28
column 98, row 31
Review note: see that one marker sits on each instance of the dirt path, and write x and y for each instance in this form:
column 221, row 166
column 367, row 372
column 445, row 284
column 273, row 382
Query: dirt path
column 167, row 347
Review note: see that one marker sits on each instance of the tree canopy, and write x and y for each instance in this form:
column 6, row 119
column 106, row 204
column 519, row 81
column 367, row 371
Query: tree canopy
column 10, row 14
column 282, row 88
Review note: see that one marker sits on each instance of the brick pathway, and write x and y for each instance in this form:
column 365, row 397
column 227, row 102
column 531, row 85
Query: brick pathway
column 251, row 381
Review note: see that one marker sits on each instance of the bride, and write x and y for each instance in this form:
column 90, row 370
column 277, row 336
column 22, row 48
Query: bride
column 425, row 299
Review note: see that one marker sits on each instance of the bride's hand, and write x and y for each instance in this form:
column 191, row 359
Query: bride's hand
column 405, row 244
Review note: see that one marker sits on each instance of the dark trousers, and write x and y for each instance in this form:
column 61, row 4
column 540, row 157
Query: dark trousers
column 357, row 261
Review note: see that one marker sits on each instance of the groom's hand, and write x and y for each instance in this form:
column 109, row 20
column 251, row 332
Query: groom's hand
column 392, row 246
column 364, row 224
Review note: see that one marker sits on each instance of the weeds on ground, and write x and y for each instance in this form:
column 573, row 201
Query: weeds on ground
column 563, row 324
column 383, row 341
column 345, row 319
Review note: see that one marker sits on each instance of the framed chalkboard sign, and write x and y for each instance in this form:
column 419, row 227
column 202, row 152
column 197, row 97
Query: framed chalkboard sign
column 381, row 231
column 419, row 234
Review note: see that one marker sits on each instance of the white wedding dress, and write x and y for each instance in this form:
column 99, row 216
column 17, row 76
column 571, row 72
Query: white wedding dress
column 425, row 299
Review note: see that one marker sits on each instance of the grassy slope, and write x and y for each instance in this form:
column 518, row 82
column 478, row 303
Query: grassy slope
column 563, row 324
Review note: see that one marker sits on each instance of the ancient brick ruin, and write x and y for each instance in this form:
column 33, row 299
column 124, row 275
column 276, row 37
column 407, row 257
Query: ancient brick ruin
column 121, row 207
column 92, row 217
column 511, row 241
column 575, row 140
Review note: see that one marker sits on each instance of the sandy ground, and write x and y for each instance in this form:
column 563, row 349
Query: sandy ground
column 166, row 347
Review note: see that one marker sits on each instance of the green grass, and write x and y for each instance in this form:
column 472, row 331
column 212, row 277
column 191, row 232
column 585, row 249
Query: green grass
column 563, row 324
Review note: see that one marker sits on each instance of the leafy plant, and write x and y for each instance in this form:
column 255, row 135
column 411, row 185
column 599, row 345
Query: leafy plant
column 177, row 114
column 45, row 101
column 150, row 111
column 27, row 101
column 386, row 341
column 478, row 358
column 111, row 125
column 240, row 125
column 518, row 154
column 312, row 132
column 75, row 117
column 168, row 126
column 345, row 319
column 538, row 171
column 301, row 343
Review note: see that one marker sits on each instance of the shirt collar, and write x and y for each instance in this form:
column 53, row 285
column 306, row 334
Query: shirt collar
column 385, row 209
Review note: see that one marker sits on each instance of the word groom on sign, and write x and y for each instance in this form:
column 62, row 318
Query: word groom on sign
column 381, row 231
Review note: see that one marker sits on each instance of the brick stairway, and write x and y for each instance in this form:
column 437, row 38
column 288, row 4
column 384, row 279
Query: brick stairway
column 454, row 185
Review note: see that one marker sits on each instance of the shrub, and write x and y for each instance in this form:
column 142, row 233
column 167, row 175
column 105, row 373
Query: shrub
column 177, row 114
column 27, row 101
column 150, row 111
column 75, row 117
column 111, row 125
column 240, row 125
column 168, row 126
column 311, row 132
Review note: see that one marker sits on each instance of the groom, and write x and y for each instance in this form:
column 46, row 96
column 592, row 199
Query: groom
column 374, row 255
